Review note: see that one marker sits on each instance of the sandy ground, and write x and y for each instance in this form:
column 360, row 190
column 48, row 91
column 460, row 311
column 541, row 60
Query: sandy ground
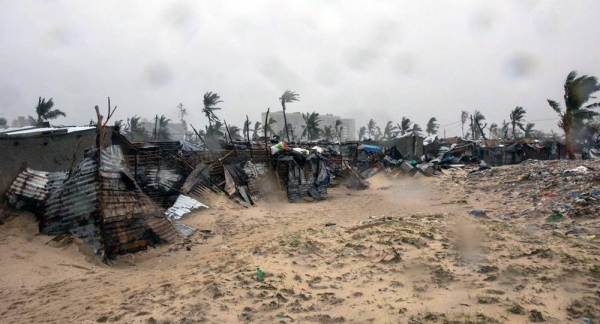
column 403, row 251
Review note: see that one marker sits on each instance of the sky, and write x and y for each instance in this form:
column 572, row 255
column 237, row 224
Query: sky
column 358, row 59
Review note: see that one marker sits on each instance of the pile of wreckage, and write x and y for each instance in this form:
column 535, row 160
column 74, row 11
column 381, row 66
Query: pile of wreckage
column 131, row 195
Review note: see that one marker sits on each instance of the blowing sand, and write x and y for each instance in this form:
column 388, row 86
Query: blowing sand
column 403, row 251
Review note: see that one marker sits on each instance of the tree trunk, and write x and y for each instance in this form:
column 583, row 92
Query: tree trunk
column 569, row 143
column 287, row 134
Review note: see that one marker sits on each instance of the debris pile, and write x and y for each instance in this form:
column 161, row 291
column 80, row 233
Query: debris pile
column 556, row 191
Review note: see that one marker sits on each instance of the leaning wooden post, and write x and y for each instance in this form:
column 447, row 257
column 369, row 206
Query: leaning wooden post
column 237, row 156
column 99, row 129
column 265, row 133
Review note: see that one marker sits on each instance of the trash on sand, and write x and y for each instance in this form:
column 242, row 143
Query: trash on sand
column 260, row 275
column 524, row 176
column 329, row 224
column 579, row 169
column 554, row 217
column 477, row 212
column 591, row 237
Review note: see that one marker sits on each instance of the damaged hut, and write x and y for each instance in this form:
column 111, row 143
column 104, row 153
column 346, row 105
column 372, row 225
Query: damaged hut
column 98, row 201
column 302, row 175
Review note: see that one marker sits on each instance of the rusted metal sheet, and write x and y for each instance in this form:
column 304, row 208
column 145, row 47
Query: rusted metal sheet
column 35, row 185
column 100, row 203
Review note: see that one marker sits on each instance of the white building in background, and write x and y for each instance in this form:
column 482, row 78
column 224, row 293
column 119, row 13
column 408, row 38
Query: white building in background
column 297, row 122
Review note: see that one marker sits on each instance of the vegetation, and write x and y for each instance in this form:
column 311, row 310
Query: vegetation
column 362, row 131
column 211, row 100
column 464, row 116
column 45, row 112
column 135, row 131
column 311, row 131
column 163, row 133
column 405, row 126
column 432, row 126
column 371, row 127
column 287, row 97
column 389, row 131
column 416, row 129
column 578, row 90
column 257, row 128
column 3, row 122
column 328, row 133
column 528, row 130
column 517, row 116
column 234, row 132
column 269, row 126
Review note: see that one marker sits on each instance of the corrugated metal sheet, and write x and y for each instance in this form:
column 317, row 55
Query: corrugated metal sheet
column 35, row 184
column 182, row 206
column 101, row 204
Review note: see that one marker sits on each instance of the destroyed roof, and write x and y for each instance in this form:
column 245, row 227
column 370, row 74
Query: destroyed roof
column 37, row 131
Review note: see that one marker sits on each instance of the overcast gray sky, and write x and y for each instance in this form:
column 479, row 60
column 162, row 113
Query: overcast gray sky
column 357, row 59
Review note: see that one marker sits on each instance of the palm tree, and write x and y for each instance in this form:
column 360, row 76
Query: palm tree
column 371, row 127
column 287, row 97
column 517, row 116
column 405, row 126
column 362, row 132
column 528, row 130
column 216, row 129
column 389, row 131
column 464, row 115
column 578, row 90
column 3, row 122
column 379, row 133
column 416, row 129
column 118, row 126
column 432, row 126
column 269, row 126
column 257, row 128
column 505, row 129
column 478, row 130
column 135, row 130
column 338, row 129
column 328, row 132
column 45, row 112
column 163, row 133
column 210, row 101
column 311, row 130
column 234, row 132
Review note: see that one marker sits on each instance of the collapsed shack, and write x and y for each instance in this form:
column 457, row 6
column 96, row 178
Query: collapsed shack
column 302, row 175
column 98, row 201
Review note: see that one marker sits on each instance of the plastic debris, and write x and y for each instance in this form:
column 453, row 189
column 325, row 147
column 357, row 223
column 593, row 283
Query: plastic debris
column 477, row 212
column 260, row 275
column 554, row 217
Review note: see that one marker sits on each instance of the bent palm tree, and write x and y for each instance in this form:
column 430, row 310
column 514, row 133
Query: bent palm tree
column 311, row 130
column 494, row 129
column 135, row 130
column 505, row 129
column 405, row 126
column 432, row 126
column 287, row 97
column 578, row 90
column 328, row 132
column 371, row 127
column 362, row 131
column 416, row 129
column 517, row 116
column 528, row 130
column 163, row 133
column 389, row 131
column 45, row 112
column 234, row 132
column 269, row 126
column 257, row 128
column 210, row 101
column 478, row 130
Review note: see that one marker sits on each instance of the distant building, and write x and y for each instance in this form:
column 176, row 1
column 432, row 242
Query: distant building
column 296, row 120
column 21, row 121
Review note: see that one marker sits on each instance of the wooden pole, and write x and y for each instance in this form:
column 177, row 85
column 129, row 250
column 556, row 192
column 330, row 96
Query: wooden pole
column 248, row 135
column 155, row 125
column 231, row 140
column 99, row 129
column 265, row 128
